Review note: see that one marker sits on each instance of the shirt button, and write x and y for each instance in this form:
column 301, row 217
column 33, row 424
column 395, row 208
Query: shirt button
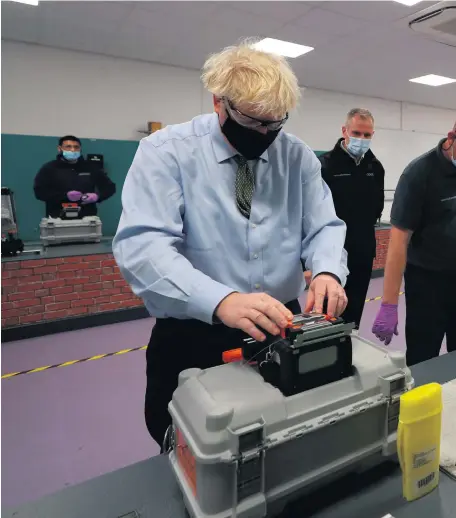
column 257, row 286
column 255, row 256
column 253, row 225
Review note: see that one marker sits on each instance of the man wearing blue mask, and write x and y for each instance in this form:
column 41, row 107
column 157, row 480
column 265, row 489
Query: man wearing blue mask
column 356, row 180
column 70, row 178
column 423, row 249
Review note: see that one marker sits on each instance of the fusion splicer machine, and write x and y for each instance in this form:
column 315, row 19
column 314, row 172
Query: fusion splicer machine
column 288, row 416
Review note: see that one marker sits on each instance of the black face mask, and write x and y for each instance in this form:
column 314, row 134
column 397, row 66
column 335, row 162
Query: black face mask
column 248, row 142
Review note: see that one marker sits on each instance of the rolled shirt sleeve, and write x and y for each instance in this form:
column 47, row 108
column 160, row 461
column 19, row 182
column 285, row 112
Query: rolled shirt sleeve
column 323, row 232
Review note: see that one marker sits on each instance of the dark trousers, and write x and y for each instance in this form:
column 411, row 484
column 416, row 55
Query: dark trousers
column 356, row 290
column 176, row 345
column 430, row 313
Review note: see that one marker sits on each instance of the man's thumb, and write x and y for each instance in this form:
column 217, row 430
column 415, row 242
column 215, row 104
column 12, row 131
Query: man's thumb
column 310, row 301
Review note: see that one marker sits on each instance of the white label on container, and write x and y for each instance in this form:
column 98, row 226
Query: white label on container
column 422, row 458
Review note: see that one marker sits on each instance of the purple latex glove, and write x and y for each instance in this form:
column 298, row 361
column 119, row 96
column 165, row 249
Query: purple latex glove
column 74, row 195
column 90, row 197
column 385, row 324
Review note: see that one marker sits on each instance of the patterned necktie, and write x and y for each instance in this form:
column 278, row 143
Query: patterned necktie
column 245, row 185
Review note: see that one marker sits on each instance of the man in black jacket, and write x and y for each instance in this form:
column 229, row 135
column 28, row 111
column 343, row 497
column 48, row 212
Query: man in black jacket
column 70, row 178
column 356, row 179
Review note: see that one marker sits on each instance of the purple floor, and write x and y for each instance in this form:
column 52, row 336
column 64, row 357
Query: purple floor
column 66, row 425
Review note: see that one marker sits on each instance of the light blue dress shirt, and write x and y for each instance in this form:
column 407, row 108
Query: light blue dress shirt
column 183, row 245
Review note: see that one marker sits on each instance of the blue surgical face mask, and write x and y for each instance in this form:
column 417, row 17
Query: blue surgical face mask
column 71, row 156
column 358, row 146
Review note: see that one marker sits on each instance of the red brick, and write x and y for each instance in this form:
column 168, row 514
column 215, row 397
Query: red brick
column 29, row 319
column 20, row 296
column 110, row 307
column 76, row 280
column 62, row 290
column 6, row 290
column 26, row 272
column 90, row 294
column 72, row 266
column 93, row 265
column 76, row 259
column 57, row 306
column 49, row 276
column 36, row 309
column 121, row 297
column 120, row 284
column 41, row 293
column 8, row 282
column 92, row 271
column 94, row 278
column 77, row 311
column 127, row 289
column 100, row 257
column 111, row 277
column 78, row 287
column 9, row 305
column 6, row 274
column 47, row 300
column 24, row 288
column 45, row 269
column 66, row 297
column 54, row 262
column 33, row 264
column 113, row 291
column 107, row 271
column 109, row 262
column 12, row 313
column 108, row 285
column 103, row 300
column 132, row 303
column 92, row 286
column 54, row 284
column 13, row 265
column 28, row 303
column 83, row 302
column 66, row 274
column 55, row 315
column 9, row 322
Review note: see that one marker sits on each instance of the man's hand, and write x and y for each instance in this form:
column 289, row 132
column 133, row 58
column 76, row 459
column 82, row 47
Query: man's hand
column 90, row 197
column 247, row 311
column 308, row 277
column 323, row 286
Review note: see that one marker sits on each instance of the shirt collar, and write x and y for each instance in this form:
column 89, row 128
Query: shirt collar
column 222, row 149
column 355, row 158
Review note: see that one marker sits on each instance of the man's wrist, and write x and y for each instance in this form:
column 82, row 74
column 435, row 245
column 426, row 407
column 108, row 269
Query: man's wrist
column 330, row 274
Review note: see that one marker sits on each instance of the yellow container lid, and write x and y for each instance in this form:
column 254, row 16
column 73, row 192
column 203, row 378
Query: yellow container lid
column 421, row 402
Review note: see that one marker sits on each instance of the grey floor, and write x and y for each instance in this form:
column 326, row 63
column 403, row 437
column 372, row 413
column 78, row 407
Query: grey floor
column 66, row 425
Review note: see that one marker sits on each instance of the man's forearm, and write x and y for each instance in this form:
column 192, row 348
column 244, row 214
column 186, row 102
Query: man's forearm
column 396, row 260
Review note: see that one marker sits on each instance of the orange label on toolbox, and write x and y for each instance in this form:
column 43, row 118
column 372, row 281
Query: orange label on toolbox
column 186, row 460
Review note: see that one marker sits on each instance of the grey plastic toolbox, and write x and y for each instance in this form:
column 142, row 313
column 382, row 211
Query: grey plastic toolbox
column 58, row 231
column 242, row 449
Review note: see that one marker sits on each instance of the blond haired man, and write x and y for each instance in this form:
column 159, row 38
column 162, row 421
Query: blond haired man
column 218, row 215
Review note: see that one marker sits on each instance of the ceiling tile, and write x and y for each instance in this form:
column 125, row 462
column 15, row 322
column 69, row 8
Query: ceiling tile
column 329, row 23
column 280, row 11
column 249, row 23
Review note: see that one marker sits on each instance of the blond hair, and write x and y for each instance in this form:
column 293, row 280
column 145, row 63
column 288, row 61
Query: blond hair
column 247, row 76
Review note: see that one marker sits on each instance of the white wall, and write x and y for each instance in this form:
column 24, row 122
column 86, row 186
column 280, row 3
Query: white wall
column 52, row 92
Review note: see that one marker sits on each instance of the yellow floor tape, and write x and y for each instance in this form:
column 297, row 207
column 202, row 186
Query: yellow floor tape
column 100, row 356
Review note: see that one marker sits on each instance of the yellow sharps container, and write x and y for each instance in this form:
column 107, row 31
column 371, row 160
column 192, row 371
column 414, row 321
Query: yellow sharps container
column 418, row 439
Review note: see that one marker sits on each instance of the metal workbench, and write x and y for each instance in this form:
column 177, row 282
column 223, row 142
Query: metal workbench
column 148, row 489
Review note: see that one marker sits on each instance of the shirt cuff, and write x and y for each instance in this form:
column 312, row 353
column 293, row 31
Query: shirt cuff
column 204, row 300
column 340, row 271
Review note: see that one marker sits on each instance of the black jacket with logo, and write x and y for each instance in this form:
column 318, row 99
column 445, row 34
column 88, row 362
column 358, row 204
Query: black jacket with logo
column 358, row 193
column 55, row 179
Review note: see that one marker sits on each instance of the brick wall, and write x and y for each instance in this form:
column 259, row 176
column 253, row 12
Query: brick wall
column 382, row 237
column 49, row 289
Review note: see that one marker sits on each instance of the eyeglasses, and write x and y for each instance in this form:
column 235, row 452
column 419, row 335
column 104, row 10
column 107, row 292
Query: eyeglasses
column 251, row 122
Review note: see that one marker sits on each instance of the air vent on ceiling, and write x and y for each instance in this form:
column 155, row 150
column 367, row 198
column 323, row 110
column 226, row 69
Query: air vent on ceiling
column 437, row 22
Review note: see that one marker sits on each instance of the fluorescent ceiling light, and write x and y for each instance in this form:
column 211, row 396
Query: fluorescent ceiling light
column 283, row 48
column 433, row 80
column 28, row 2
column 408, row 2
